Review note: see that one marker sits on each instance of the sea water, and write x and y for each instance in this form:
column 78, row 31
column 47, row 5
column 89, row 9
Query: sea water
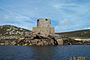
column 44, row 52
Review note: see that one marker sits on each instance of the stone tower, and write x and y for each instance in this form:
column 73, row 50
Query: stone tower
column 43, row 27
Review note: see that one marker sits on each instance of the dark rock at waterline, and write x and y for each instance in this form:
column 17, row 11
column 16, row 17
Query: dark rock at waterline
column 41, row 40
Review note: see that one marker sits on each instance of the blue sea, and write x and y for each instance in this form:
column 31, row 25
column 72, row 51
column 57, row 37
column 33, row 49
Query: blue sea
column 44, row 52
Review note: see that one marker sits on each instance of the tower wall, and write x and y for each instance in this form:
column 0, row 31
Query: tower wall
column 43, row 22
column 43, row 27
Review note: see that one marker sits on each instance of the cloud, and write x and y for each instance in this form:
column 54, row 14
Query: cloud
column 66, row 15
column 57, row 6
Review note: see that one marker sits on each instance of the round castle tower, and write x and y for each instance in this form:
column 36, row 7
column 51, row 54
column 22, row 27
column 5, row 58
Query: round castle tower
column 43, row 22
column 43, row 27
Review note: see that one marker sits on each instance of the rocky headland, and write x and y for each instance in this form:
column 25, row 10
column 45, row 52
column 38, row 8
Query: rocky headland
column 12, row 35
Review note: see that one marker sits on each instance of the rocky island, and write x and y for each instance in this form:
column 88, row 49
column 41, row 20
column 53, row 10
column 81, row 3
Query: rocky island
column 42, row 35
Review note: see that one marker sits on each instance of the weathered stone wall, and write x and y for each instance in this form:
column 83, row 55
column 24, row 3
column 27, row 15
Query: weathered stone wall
column 43, row 27
column 52, row 30
column 43, row 23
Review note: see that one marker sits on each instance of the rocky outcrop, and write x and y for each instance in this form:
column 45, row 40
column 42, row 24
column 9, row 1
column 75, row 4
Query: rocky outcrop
column 10, row 30
column 36, row 40
column 11, row 35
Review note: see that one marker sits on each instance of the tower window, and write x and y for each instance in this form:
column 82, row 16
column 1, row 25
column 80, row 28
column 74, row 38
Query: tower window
column 38, row 20
column 46, row 19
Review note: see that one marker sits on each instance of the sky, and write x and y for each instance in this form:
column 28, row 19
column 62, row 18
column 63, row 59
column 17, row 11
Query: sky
column 65, row 15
